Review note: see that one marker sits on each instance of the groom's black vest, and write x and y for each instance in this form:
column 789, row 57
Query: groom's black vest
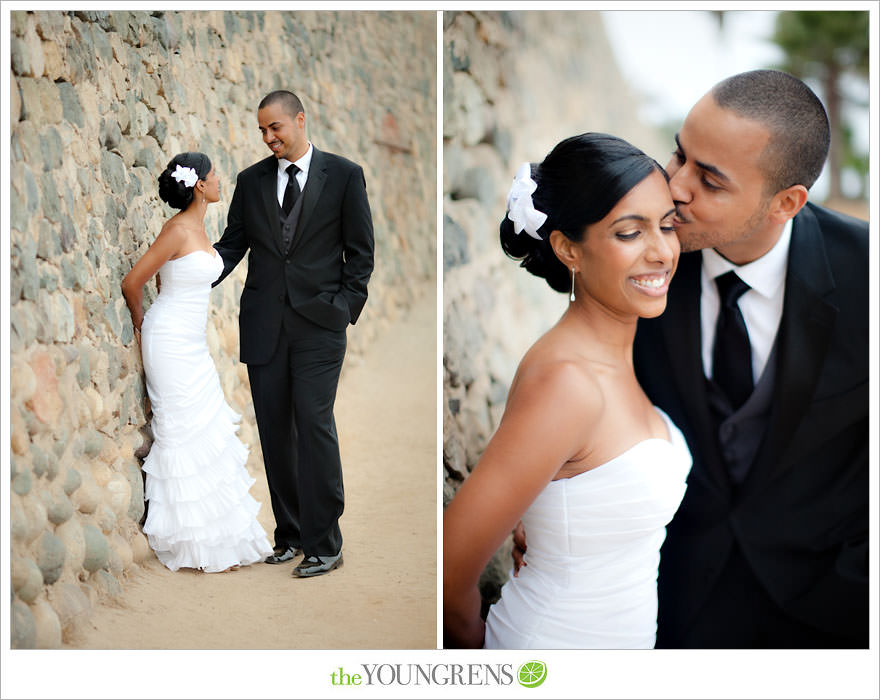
column 740, row 433
column 289, row 222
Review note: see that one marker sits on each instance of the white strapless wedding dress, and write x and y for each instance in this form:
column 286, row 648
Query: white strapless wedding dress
column 201, row 514
column 593, row 550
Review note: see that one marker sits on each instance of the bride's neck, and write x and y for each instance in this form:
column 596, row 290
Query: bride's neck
column 194, row 214
column 609, row 333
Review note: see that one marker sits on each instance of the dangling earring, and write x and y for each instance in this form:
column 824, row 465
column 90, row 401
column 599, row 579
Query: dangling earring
column 571, row 296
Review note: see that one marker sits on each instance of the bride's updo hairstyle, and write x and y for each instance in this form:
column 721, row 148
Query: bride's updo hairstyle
column 578, row 183
column 175, row 192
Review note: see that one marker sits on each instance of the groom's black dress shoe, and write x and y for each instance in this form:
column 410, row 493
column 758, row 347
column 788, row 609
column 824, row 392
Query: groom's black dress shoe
column 282, row 554
column 315, row 566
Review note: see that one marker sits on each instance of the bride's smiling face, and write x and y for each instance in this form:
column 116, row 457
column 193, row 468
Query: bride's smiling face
column 627, row 259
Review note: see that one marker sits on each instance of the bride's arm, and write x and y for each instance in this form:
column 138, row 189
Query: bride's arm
column 543, row 426
column 167, row 244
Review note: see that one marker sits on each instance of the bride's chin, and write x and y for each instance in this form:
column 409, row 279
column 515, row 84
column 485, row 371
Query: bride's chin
column 654, row 312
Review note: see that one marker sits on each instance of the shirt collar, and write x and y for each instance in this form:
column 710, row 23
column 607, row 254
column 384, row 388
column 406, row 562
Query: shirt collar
column 302, row 163
column 765, row 275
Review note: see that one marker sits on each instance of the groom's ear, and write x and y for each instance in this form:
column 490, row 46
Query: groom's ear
column 788, row 202
column 564, row 248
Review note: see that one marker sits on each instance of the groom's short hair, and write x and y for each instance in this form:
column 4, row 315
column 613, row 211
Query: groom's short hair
column 795, row 117
column 289, row 102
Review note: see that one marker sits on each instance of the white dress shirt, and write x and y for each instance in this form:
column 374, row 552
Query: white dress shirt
column 301, row 177
column 761, row 306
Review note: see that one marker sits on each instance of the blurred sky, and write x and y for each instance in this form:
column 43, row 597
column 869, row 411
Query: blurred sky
column 673, row 58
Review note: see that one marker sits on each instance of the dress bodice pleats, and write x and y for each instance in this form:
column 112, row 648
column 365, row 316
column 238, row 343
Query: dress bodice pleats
column 593, row 553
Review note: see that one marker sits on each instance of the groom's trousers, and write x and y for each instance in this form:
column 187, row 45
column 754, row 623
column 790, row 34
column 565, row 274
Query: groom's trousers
column 293, row 395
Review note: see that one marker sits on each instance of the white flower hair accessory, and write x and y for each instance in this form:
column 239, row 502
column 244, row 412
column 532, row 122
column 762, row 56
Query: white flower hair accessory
column 187, row 176
column 520, row 207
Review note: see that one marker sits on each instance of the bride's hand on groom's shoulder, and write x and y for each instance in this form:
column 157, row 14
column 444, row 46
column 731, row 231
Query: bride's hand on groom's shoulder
column 519, row 547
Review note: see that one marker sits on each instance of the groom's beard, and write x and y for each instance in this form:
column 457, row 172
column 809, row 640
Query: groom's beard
column 692, row 238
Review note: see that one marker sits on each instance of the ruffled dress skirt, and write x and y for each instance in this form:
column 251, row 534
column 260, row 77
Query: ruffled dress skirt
column 201, row 514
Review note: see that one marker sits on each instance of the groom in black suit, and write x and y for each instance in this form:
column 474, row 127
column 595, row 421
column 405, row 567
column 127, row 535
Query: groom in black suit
column 767, row 378
column 305, row 218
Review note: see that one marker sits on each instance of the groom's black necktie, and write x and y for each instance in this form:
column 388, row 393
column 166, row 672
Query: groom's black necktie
column 732, row 353
column 292, row 191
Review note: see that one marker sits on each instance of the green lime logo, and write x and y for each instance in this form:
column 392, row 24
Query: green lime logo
column 532, row 673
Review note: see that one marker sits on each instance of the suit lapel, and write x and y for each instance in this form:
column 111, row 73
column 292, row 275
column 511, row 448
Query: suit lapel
column 269, row 194
column 312, row 192
column 681, row 329
column 803, row 338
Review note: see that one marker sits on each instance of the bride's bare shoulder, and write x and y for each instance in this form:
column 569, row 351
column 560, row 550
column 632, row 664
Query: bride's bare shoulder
column 174, row 228
column 176, row 234
column 549, row 376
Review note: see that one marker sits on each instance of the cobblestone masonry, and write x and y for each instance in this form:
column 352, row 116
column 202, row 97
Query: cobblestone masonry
column 100, row 101
column 514, row 85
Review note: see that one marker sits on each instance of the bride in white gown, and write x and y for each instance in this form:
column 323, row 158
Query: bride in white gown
column 594, row 471
column 200, row 514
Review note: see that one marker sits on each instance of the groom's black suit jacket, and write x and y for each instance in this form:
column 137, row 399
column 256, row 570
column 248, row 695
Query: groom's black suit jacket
column 324, row 273
column 800, row 517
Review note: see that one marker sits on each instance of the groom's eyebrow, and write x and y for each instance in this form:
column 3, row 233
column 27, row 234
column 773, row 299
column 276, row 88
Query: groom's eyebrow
column 703, row 166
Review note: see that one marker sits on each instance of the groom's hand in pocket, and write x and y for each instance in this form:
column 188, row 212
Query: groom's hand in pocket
column 519, row 547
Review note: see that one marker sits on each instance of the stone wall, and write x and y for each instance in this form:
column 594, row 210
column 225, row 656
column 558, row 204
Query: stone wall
column 100, row 101
column 514, row 85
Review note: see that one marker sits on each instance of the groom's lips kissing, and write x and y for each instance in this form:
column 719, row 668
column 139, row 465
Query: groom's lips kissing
column 679, row 220
column 655, row 284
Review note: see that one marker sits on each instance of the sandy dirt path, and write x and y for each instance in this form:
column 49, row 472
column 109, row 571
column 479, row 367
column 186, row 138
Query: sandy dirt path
column 384, row 596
